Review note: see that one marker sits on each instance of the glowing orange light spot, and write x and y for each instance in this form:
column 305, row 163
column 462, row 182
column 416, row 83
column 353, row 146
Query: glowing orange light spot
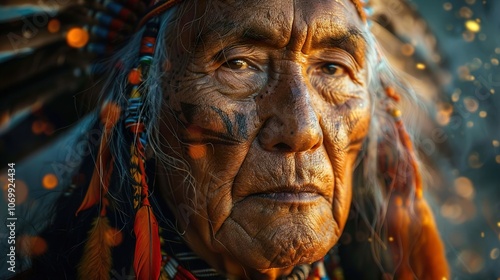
column 464, row 187
column 20, row 188
column 419, row 193
column 54, row 25
column 5, row 182
column 407, row 50
column 38, row 127
column 421, row 66
column 197, row 151
column 113, row 237
column 110, row 114
column 32, row 245
column 77, row 37
column 4, row 118
column 49, row 181
column 398, row 201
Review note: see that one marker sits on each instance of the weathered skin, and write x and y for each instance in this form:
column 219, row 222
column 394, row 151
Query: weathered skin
column 270, row 107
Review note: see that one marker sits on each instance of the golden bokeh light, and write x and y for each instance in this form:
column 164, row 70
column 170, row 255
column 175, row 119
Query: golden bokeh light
column 407, row 50
column 421, row 66
column 473, row 26
column 464, row 187
column 471, row 104
column 475, row 161
column 494, row 254
column 444, row 111
column 473, row 262
column 465, row 12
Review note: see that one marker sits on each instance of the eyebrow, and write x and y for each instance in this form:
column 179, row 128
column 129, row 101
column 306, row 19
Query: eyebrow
column 353, row 41
column 258, row 35
column 343, row 38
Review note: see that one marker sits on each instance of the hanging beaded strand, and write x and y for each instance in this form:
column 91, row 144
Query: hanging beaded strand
column 147, row 256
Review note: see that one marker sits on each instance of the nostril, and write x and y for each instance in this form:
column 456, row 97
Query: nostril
column 282, row 147
column 317, row 145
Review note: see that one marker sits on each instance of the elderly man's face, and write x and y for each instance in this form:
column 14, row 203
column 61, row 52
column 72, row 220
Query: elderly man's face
column 268, row 106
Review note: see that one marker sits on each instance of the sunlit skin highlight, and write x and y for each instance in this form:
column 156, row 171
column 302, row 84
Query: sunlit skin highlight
column 275, row 93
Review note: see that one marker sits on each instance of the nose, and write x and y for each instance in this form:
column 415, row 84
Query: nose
column 293, row 125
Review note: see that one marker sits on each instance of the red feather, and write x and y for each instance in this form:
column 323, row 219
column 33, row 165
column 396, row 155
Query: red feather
column 147, row 258
column 110, row 114
column 101, row 176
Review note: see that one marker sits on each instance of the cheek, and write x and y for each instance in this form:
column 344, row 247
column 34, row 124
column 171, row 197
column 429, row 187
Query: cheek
column 345, row 128
column 346, row 125
column 213, row 134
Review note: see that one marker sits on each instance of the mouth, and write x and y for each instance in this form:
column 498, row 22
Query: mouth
column 291, row 194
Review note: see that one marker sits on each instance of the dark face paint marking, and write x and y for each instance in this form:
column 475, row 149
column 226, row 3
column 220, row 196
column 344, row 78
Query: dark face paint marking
column 242, row 125
column 225, row 118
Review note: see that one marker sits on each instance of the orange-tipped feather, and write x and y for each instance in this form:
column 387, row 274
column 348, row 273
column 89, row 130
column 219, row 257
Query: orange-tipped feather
column 147, row 258
column 428, row 254
column 399, row 223
column 98, row 187
column 96, row 261
column 418, row 252
column 99, row 182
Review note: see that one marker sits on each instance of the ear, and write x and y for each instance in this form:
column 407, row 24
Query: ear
column 413, row 238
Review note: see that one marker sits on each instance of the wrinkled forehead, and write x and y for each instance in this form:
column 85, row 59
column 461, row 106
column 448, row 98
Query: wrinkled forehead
column 299, row 24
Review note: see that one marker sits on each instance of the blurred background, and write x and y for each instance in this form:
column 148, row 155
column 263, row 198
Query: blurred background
column 468, row 211
column 451, row 49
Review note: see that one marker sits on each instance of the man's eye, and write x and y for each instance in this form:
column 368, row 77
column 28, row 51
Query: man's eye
column 332, row 69
column 237, row 64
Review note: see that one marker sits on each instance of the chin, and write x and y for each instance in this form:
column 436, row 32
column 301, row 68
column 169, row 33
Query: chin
column 278, row 231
